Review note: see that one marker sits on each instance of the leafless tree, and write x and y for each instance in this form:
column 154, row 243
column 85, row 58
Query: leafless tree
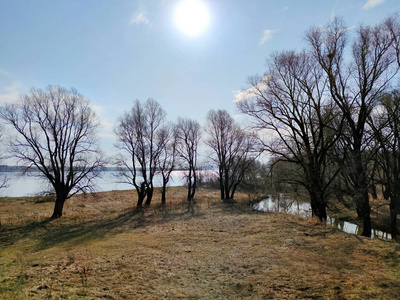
column 290, row 101
column 56, row 136
column 188, row 138
column 137, row 139
column 385, row 121
column 4, row 180
column 167, row 160
column 355, row 87
column 392, row 25
column 234, row 150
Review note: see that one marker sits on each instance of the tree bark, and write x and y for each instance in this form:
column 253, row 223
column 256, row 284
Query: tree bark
column 163, row 193
column 234, row 189
column 361, row 197
column 393, row 224
column 58, row 207
column 149, row 192
column 394, row 204
column 141, row 192
column 221, row 188
column 61, row 196
column 318, row 206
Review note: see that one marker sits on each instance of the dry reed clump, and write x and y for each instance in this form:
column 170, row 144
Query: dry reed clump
column 102, row 249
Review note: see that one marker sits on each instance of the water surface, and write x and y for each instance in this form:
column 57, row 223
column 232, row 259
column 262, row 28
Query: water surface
column 282, row 203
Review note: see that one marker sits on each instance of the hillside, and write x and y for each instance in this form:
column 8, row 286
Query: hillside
column 100, row 248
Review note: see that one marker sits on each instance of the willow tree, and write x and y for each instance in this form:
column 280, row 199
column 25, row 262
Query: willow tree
column 385, row 122
column 234, row 150
column 356, row 82
column 56, row 135
column 289, row 104
column 188, row 136
column 168, row 158
column 137, row 139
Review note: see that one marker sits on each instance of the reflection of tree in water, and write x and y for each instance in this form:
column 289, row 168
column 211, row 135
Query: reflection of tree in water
column 282, row 203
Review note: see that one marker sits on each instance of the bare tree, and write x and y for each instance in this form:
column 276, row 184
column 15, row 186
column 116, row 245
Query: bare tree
column 4, row 180
column 385, row 122
column 234, row 150
column 56, row 136
column 355, row 88
column 290, row 101
column 137, row 139
column 392, row 25
column 167, row 160
column 188, row 138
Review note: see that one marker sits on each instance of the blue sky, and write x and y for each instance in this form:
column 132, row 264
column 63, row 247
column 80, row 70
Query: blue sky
column 116, row 51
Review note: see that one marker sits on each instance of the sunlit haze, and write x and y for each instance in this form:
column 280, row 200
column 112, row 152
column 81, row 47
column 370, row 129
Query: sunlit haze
column 192, row 17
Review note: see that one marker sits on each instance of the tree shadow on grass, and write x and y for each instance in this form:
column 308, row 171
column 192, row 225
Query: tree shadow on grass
column 80, row 232
column 49, row 233
column 12, row 234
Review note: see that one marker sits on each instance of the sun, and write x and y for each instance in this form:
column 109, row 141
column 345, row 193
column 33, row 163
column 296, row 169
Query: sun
column 192, row 17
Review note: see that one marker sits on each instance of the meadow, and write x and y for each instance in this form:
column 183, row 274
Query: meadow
column 101, row 248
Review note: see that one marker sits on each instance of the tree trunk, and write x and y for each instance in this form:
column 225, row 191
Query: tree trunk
column 361, row 197
column 58, row 206
column 363, row 210
column 163, row 193
column 140, row 201
column 149, row 192
column 393, row 224
column 234, row 190
column 318, row 206
column 394, row 209
column 141, row 195
column 226, row 186
column 221, row 188
column 192, row 187
column 221, row 183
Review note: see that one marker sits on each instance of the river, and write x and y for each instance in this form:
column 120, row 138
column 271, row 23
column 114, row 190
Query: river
column 27, row 185
column 303, row 209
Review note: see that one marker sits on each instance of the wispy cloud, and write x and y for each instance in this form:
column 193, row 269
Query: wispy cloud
column 267, row 35
column 140, row 18
column 107, row 128
column 260, row 87
column 10, row 92
column 372, row 3
column 10, row 88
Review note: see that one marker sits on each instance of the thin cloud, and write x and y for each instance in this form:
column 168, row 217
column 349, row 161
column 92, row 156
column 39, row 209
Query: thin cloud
column 10, row 88
column 10, row 93
column 107, row 128
column 140, row 18
column 372, row 3
column 267, row 35
column 243, row 95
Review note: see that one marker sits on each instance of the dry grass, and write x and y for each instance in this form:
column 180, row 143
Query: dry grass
column 101, row 249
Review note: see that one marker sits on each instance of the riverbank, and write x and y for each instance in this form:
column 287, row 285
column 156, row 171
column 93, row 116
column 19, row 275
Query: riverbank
column 100, row 248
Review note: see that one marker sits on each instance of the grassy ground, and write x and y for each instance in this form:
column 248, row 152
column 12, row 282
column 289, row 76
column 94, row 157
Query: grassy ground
column 101, row 249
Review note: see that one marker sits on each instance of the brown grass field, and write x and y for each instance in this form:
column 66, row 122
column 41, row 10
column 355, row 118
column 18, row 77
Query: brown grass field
column 101, row 249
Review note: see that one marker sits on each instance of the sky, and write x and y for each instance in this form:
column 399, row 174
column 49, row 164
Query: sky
column 116, row 51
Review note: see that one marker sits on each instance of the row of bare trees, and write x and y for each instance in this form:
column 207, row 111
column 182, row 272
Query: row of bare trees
column 321, row 106
column 56, row 136
column 149, row 147
column 329, row 110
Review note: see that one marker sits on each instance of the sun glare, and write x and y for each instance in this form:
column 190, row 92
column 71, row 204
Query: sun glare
column 192, row 17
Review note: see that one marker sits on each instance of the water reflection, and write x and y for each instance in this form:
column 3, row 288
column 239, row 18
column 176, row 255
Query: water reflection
column 292, row 206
